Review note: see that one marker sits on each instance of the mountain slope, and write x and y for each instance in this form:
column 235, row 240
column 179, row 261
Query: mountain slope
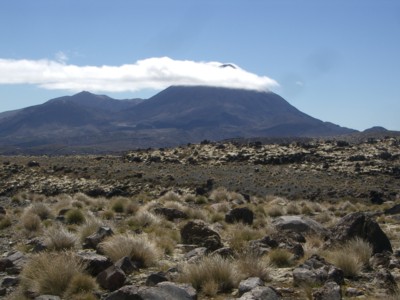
column 176, row 115
column 248, row 112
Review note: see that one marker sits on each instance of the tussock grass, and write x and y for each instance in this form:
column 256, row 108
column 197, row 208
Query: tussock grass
column 80, row 286
column 31, row 222
column 41, row 210
column 280, row 258
column 5, row 221
column 210, row 274
column 75, row 216
column 50, row 273
column 119, row 204
column 90, row 227
column 274, row 210
column 59, row 238
column 351, row 257
column 251, row 265
column 138, row 247
column 143, row 219
column 239, row 235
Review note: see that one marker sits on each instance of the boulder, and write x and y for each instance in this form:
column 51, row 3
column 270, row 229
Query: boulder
column 385, row 280
column 198, row 233
column 394, row 210
column 93, row 240
column 249, row 284
column 112, row 278
column 261, row 293
column 126, row 265
column 300, row 224
column 330, row 291
column 287, row 241
column 360, row 224
column 162, row 291
column 316, row 271
column 170, row 213
column 13, row 263
column 128, row 292
column 155, row 278
column 94, row 263
column 47, row 297
column 240, row 214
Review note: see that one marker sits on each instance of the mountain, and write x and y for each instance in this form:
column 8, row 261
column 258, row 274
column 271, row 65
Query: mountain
column 179, row 114
column 232, row 111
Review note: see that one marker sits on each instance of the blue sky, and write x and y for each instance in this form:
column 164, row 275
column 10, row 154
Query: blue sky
column 334, row 60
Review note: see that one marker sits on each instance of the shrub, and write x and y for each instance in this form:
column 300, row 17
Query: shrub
column 74, row 216
column 107, row 214
column 31, row 222
column 139, row 248
column 281, row 258
column 210, row 271
column 59, row 238
column 50, row 273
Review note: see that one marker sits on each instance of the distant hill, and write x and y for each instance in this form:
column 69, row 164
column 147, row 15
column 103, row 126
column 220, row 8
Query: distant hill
column 94, row 123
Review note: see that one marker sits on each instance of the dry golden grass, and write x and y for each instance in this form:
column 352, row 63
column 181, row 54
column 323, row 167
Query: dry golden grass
column 75, row 216
column 40, row 209
column 90, row 227
column 138, row 247
column 250, row 264
column 59, row 238
column 31, row 222
column 80, row 285
column 238, row 236
column 280, row 258
column 50, row 273
column 211, row 272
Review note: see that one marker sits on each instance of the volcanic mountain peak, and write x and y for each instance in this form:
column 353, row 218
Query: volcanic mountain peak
column 176, row 115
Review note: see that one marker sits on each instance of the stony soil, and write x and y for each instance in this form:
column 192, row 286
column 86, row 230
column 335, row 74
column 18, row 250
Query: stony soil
column 326, row 180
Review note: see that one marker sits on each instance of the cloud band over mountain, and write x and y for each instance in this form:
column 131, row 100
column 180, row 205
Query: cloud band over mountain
column 152, row 73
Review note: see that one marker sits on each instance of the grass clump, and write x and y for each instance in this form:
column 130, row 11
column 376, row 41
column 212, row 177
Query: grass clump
column 74, row 216
column 59, row 238
column 31, row 222
column 352, row 257
column 211, row 274
column 250, row 264
column 280, row 258
column 80, row 286
column 40, row 209
column 54, row 274
column 90, row 227
column 138, row 247
column 118, row 205
column 5, row 222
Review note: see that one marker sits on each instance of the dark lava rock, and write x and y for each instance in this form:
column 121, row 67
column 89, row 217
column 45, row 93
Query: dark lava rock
column 300, row 224
column 240, row 214
column 94, row 262
column 155, row 278
column 13, row 262
column 316, row 271
column 393, row 210
column 249, row 284
column 384, row 279
column 198, row 233
column 359, row 224
column 226, row 252
column 126, row 265
column 170, row 213
column 261, row 293
column 128, row 292
column 376, row 197
column 32, row 164
column 93, row 240
column 112, row 278
column 330, row 291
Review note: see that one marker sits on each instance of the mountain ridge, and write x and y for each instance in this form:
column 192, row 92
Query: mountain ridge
column 174, row 116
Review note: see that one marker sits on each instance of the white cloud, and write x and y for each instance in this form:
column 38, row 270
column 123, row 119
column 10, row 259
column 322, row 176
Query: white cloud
column 152, row 73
